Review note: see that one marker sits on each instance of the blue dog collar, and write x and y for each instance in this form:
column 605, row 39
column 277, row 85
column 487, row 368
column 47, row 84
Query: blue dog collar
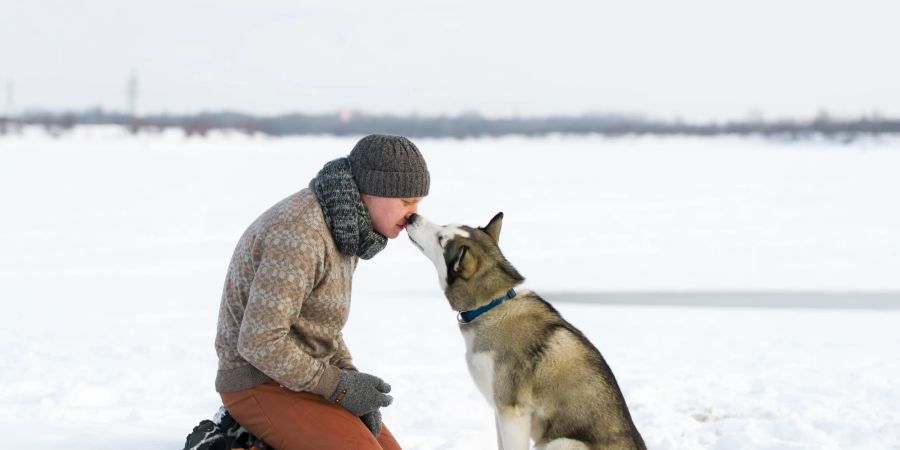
column 468, row 316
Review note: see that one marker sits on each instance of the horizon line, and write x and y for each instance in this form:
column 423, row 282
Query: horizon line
column 348, row 113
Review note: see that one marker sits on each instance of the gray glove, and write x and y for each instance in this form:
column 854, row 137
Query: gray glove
column 372, row 421
column 361, row 393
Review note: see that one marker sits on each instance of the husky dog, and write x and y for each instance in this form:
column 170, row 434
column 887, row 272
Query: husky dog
column 543, row 378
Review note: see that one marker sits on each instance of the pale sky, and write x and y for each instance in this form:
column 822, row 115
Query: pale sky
column 694, row 59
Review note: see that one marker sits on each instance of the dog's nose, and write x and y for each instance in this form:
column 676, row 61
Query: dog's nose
column 411, row 220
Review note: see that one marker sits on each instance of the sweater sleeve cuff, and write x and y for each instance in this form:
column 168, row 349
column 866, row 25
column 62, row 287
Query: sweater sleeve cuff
column 328, row 382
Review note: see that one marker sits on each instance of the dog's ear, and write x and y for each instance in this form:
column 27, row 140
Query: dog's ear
column 493, row 227
column 458, row 261
column 461, row 266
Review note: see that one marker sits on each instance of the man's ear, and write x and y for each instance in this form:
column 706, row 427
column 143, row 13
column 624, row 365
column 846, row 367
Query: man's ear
column 493, row 227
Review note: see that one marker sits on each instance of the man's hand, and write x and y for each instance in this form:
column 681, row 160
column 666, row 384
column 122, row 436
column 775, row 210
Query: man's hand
column 372, row 421
column 361, row 393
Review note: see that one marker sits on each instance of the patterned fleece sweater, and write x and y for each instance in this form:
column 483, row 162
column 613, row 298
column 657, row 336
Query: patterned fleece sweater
column 286, row 299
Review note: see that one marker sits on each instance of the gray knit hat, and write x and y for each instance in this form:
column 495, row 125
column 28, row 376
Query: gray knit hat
column 389, row 166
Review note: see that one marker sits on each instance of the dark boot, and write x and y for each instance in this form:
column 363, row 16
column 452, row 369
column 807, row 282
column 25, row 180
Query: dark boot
column 207, row 436
column 241, row 438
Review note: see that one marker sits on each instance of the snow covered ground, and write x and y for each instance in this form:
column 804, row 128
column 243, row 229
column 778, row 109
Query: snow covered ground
column 115, row 248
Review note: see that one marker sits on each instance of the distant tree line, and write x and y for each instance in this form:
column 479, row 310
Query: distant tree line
column 460, row 126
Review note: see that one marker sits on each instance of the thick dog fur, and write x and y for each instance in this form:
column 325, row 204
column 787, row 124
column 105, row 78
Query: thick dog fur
column 541, row 375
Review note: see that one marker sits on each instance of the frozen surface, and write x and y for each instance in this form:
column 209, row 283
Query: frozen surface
column 115, row 248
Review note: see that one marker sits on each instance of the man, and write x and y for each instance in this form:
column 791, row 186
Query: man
column 285, row 373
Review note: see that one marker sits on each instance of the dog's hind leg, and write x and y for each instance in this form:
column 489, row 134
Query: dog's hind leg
column 563, row 444
column 515, row 429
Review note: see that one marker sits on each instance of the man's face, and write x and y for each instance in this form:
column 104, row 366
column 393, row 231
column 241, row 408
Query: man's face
column 389, row 214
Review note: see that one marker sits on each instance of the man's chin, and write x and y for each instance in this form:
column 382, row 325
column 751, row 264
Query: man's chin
column 395, row 232
column 393, row 235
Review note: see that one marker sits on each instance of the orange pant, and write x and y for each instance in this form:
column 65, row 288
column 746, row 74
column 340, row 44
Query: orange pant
column 289, row 420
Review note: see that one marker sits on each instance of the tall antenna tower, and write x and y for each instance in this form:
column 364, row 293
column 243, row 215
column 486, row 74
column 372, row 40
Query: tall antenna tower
column 132, row 94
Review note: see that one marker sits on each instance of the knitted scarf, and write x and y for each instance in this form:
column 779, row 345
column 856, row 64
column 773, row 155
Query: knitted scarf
column 346, row 215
